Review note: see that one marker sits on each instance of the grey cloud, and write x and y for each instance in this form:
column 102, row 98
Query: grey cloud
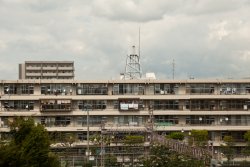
column 135, row 11
column 147, row 10
column 98, row 34
column 201, row 7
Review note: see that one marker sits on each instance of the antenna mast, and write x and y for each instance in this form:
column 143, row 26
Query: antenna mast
column 139, row 42
column 133, row 66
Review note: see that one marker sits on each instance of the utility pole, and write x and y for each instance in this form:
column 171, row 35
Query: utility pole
column 102, row 142
column 87, row 107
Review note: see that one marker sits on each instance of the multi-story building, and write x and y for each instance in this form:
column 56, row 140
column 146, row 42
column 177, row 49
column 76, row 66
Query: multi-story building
column 220, row 106
column 46, row 70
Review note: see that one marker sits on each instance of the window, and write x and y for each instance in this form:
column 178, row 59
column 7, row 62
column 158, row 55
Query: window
column 93, row 104
column 130, row 104
column 200, row 120
column 27, row 89
column 56, row 105
column 10, row 89
column 200, row 88
column 134, row 89
column 165, row 88
column 19, row 105
column 166, row 104
column 93, row 120
column 92, row 89
column 62, row 121
column 56, row 89
column 229, row 89
column 166, row 120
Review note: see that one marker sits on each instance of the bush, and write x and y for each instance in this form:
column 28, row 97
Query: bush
column 176, row 136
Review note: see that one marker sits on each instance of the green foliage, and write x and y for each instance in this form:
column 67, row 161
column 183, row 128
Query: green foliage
column 246, row 150
column 133, row 140
column 28, row 147
column 247, row 137
column 200, row 137
column 162, row 156
column 110, row 160
column 70, row 138
column 229, row 140
column 97, row 139
column 176, row 136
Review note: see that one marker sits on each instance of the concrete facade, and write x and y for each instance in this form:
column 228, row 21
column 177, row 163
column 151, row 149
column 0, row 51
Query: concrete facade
column 220, row 106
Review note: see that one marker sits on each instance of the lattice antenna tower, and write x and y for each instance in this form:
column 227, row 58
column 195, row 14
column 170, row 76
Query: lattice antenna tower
column 133, row 66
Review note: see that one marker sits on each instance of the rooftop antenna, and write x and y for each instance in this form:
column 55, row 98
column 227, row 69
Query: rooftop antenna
column 133, row 66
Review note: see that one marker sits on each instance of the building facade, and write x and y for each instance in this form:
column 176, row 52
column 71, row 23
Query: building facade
column 46, row 70
column 220, row 106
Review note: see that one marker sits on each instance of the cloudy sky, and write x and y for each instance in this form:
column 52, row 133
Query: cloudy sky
column 206, row 38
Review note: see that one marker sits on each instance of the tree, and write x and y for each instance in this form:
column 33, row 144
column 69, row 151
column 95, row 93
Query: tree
column 228, row 149
column 200, row 137
column 246, row 150
column 28, row 147
column 134, row 143
column 111, row 160
column 247, row 137
column 176, row 136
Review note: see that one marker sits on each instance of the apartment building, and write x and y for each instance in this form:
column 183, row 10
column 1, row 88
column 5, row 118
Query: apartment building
column 46, row 70
column 220, row 106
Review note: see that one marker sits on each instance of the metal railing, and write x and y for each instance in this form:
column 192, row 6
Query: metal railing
column 182, row 148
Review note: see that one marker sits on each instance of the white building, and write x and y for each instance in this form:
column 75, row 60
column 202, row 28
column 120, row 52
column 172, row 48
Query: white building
column 219, row 106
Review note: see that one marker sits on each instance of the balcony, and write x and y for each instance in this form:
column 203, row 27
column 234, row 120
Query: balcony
column 49, row 74
column 49, row 68
column 33, row 74
column 65, row 74
column 33, row 68
column 65, row 68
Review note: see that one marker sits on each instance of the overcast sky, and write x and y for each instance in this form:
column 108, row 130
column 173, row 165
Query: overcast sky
column 206, row 38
